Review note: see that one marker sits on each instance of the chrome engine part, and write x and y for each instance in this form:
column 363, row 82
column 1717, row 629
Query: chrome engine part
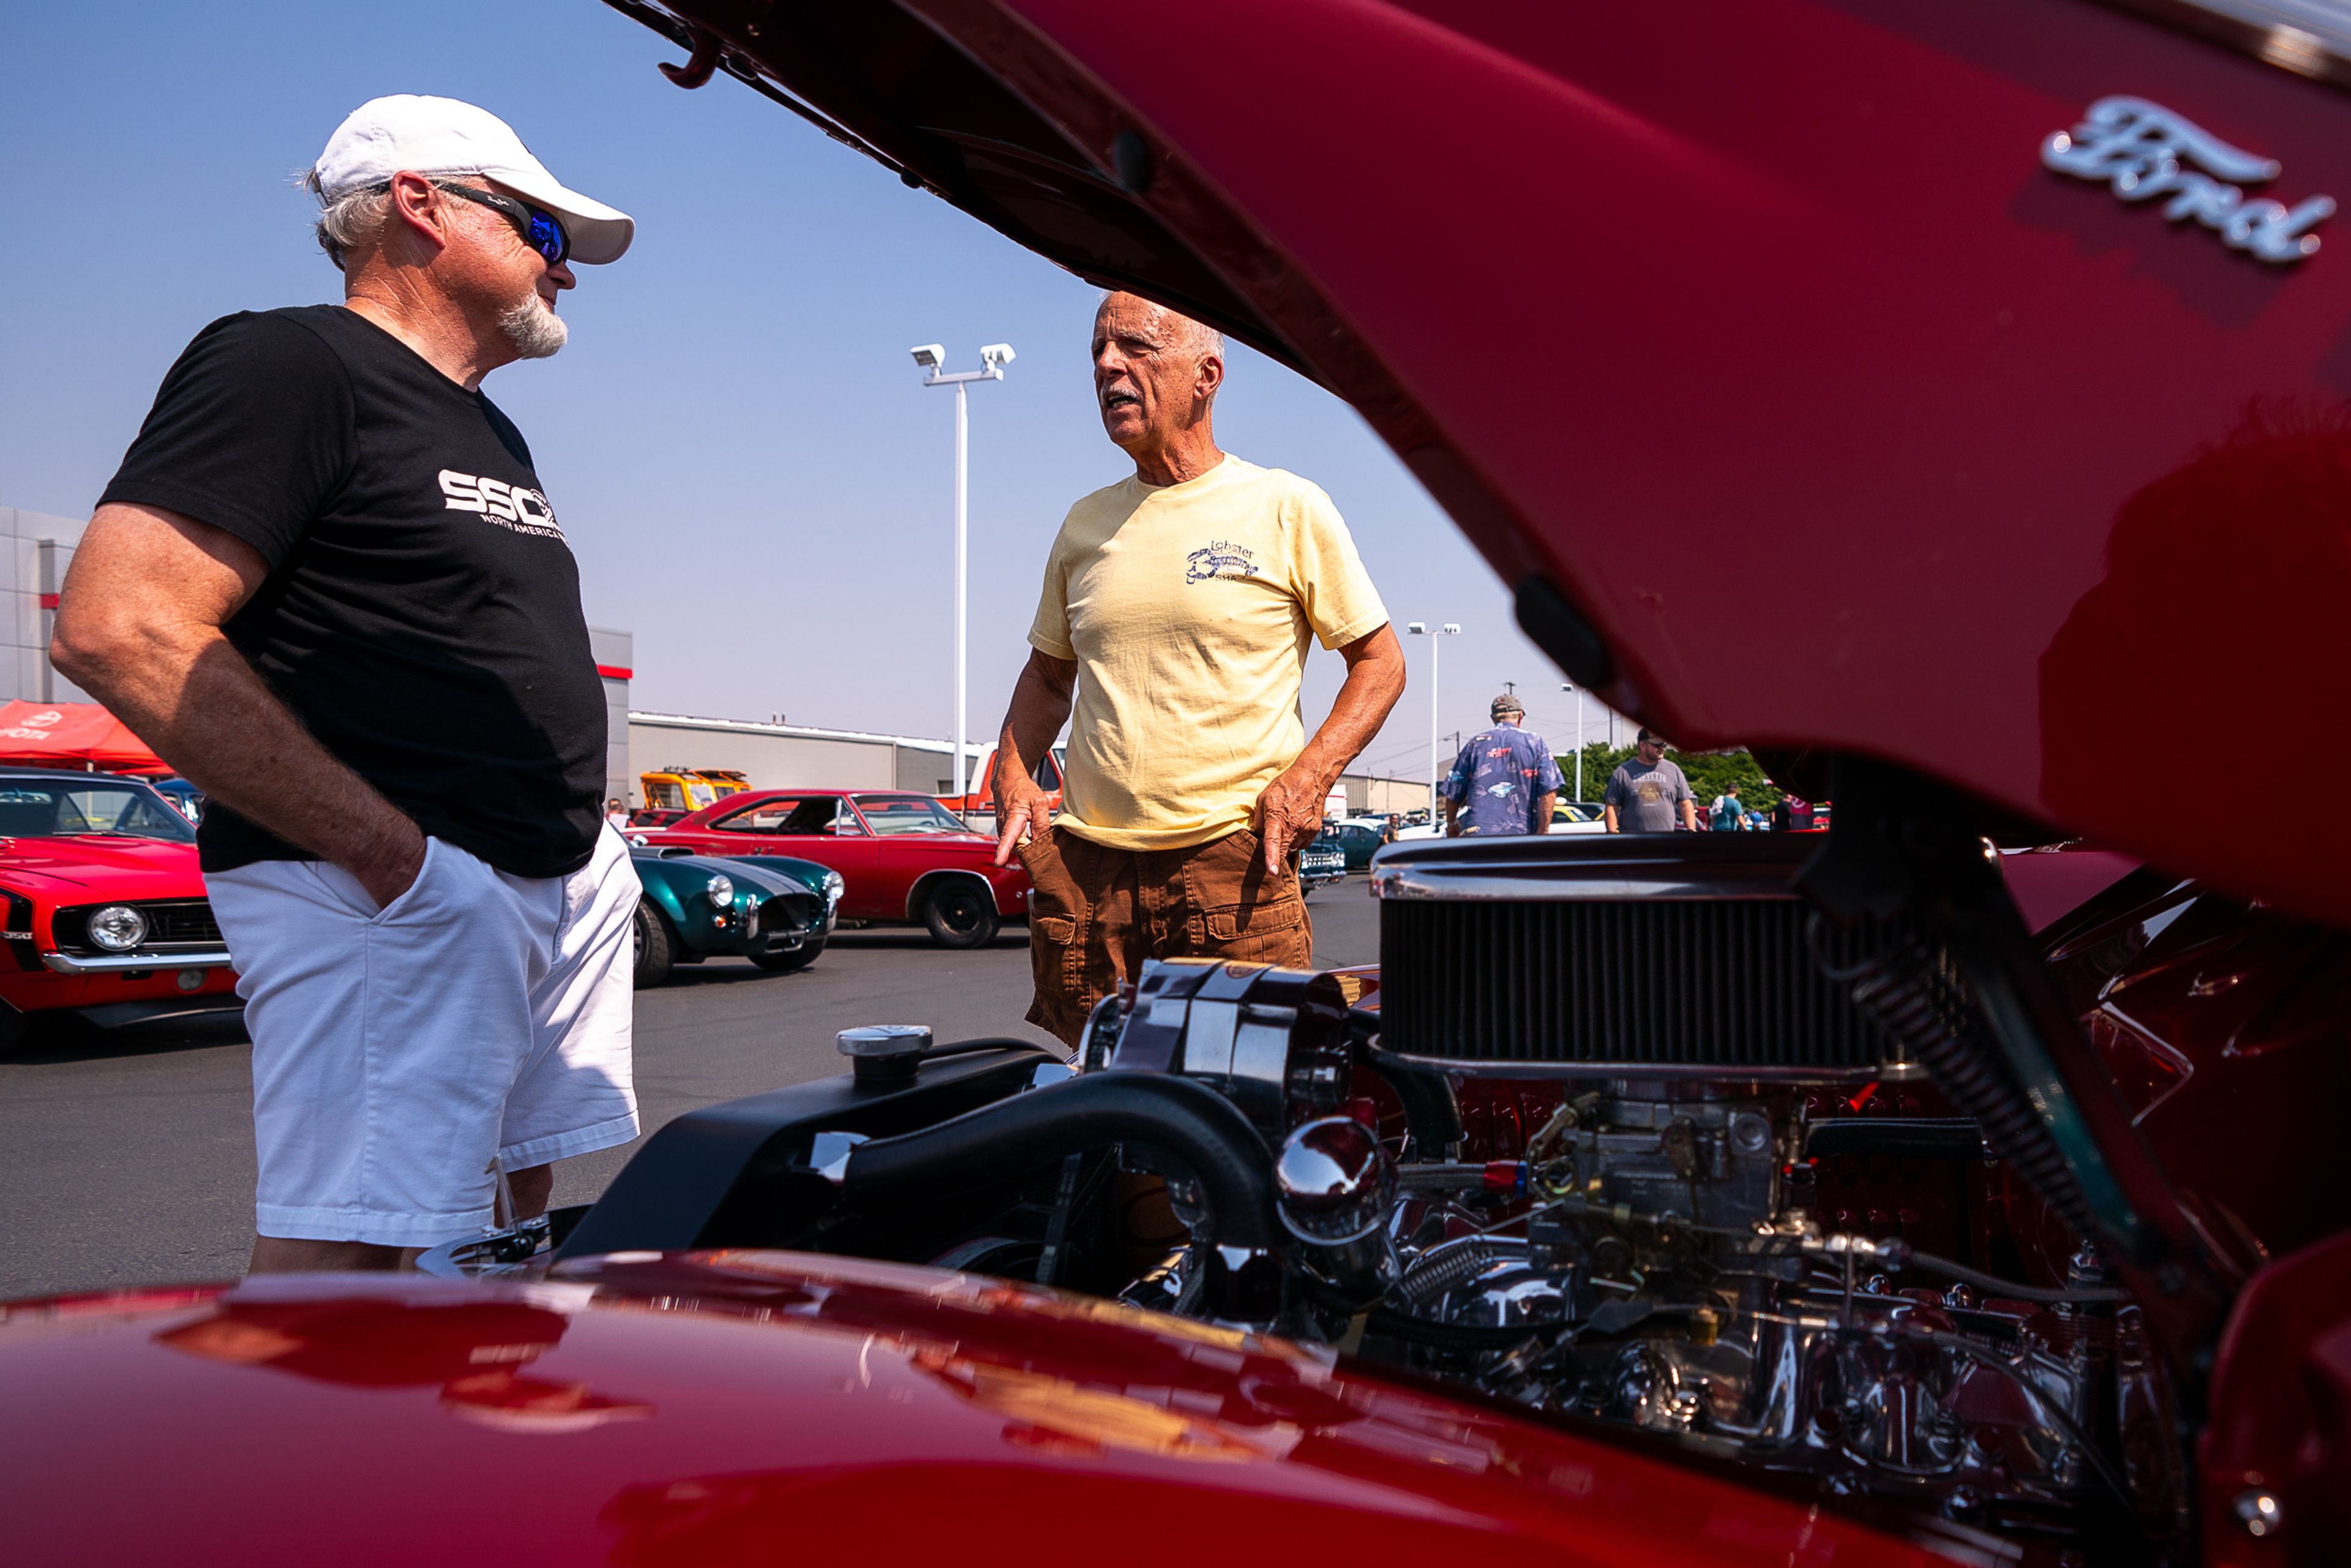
column 1596, row 1224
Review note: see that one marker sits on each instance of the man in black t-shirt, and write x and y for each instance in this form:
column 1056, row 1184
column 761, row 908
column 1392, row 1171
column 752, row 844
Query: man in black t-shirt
column 327, row 585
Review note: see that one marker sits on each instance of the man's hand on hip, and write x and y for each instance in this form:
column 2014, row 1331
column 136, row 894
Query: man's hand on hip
column 1288, row 812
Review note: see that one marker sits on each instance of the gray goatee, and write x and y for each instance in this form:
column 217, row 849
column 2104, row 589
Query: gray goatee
column 535, row 330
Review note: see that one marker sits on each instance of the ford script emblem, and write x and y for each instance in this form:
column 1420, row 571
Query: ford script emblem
column 2145, row 152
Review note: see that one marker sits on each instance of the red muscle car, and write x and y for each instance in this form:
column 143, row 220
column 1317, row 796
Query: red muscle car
column 904, row 857
column 1872, row 1197
column 106, row 910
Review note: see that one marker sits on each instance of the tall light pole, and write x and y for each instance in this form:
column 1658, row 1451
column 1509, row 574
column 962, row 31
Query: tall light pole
column 1421, row 628
column 1572, row 686
column 992, row 359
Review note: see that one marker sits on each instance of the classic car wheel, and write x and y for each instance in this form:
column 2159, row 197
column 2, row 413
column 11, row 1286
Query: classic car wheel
column 800, row 958
column 13, row 1025
column 653, row 946
column 960, row 914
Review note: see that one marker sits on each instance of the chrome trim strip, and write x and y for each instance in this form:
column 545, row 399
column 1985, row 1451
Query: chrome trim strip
column 68, row 964
column 1728, row 1071
column 1537, row 884
column 2309, row 37
column 1584, row 868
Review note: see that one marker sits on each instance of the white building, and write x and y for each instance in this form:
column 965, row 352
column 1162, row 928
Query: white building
column 34, row 548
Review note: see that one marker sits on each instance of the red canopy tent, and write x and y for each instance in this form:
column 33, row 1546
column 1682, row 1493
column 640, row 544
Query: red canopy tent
column 72, row 735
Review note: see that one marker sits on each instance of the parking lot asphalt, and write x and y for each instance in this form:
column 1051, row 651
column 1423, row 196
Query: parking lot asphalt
column 126, row 1156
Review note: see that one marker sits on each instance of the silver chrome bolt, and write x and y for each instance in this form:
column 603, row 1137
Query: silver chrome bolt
column 2257, row 1509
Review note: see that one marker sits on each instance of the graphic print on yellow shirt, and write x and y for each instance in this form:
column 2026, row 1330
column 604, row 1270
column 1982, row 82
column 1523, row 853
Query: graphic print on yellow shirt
column 1188, row 609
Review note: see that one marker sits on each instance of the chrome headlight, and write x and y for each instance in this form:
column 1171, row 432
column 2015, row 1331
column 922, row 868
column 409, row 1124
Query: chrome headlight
column 118, row 927
column 833, row 887
column 722, row 892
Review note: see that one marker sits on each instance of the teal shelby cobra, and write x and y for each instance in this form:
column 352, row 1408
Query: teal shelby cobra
column 774, row 910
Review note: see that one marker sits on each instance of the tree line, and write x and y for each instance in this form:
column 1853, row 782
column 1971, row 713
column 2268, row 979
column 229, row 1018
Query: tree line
column 1708, row 772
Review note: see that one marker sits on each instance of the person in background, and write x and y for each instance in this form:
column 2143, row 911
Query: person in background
column 615, row 813
column 1504, row 781
column 1391, row 828
column 1177, row 611
column 1647, row 794
column 1726, row 815
column 327, row 585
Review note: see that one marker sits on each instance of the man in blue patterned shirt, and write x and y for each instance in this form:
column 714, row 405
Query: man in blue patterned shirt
column 1504, row 781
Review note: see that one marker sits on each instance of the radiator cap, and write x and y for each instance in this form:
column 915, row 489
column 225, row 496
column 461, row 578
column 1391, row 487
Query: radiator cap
column 884, row 1051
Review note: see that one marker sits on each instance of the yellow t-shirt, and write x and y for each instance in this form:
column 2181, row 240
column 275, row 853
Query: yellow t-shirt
column 1187, row 609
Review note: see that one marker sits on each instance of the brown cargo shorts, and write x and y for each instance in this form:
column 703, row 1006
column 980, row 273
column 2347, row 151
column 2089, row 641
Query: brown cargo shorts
column 1097, row 913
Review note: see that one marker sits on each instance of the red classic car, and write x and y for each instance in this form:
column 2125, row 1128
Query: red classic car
column 904, row 857
column 1864, row 1197
column 105, row 911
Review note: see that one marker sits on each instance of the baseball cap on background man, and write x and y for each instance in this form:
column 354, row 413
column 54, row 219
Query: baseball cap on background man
column 444, row 137
column 1504, row 703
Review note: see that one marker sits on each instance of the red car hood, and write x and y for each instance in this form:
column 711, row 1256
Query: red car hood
column 1802, row 405
column 81, row 869
column 720, row 1407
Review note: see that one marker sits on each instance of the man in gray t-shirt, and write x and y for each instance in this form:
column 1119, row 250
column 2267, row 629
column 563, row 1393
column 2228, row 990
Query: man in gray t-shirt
column 1648, row 794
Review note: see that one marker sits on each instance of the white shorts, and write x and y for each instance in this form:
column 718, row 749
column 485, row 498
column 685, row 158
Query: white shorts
column 398, row 1051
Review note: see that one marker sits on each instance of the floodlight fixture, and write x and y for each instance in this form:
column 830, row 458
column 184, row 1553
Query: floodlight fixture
column 931, row 359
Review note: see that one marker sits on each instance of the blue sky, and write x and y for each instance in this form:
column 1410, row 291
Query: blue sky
column 747, row 467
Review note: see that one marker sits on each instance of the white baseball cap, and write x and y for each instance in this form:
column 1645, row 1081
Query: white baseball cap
column 442, row 136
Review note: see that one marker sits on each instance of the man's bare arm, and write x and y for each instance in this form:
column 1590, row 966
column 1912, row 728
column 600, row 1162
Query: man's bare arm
column 138, row 628
column 1040, row 708
column 1608, row 813
column 1544, row 808
column 1451, row 831
column 1689, row 814
column 1290, row 810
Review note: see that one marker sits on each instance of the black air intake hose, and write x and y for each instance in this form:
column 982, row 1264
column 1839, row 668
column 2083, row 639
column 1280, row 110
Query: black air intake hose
column 1190, row 1121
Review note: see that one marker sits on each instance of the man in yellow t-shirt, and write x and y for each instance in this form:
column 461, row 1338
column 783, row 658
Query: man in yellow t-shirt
column 1176, row 611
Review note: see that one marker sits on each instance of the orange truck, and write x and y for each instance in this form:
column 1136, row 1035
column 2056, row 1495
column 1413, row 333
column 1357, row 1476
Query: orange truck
column 981, row 801
column 690, row 788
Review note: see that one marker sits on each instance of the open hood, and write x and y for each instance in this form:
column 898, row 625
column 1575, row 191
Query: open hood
column 1959, row 387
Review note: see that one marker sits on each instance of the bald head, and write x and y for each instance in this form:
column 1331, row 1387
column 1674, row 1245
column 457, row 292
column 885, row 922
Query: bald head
column 1156, row 379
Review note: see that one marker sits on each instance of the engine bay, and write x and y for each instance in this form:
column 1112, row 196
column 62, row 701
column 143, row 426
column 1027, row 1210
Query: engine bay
column 1758, row 1231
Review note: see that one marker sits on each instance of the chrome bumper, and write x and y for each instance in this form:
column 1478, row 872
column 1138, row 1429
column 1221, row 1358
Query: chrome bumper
column 115, row 963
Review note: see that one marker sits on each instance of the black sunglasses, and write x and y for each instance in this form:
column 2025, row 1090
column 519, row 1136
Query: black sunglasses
column 542, row 231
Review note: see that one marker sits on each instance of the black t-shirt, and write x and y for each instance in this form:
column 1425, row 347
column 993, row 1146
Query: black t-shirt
column 422, row 614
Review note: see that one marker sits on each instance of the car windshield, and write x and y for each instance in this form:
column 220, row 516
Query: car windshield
column 36, row 809
column 891, row 814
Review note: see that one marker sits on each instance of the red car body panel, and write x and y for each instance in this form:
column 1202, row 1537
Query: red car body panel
column 2280, row 1419
column 736, row 1407
column 54, row 874
column 881, row 873
column 1793, row 269
column 2067, row 475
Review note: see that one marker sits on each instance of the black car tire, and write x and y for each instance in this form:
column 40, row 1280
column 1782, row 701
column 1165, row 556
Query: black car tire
column 655, row 945
column 800, row 958
column 960, row 914
column 13, row 1025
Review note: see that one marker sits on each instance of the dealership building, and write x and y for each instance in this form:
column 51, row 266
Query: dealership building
column 801, row 757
